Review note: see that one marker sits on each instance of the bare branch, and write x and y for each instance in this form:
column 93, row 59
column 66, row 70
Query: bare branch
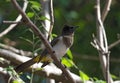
column 21, row 52
column 106, row 9
column 51, row 18
column 12, row 22
column 46, row 43
column 12, row 56
column 103, row 53
column 17, row 20
column 95, row 58
column 114, row 44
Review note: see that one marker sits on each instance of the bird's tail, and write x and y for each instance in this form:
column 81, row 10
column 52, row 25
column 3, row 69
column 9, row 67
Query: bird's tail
column 27, row 64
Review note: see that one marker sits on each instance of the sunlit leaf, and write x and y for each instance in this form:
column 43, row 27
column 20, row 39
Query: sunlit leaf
column 114, row 77
column 18, row 81
column 69, row 53
column 84, row 76
column 30, row 14
column 96, row 80
column 43, row 18
column 67, row 62
column 54, row 35
column 36, row 5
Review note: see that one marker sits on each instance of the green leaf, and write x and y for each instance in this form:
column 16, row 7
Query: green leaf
column 69, row 53
column 36, row 43
column 37, row 50
column 99, row 81
column 18, row 81
column 43, row 18
column 84, row 76
column 114, row 77
column 54, row 35
column 67, row 62
column 27, row 40
column 30, row 14
column 35, row 5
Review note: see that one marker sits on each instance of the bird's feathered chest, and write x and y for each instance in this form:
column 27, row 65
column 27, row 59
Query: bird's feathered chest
column 62, row 45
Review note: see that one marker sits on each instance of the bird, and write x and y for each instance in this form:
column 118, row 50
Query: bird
column 60, row 45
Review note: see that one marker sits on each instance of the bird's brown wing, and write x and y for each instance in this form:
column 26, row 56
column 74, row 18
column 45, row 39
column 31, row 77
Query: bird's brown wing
column 45, row 52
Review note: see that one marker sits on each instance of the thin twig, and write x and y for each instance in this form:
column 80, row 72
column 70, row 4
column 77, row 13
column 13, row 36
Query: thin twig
column 11, row 22
column 51, row 18
column 106, row 9
column 17, row 20
column 114, row 44
column 46, row 43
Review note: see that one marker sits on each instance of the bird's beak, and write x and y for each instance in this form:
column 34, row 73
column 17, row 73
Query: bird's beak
column 76, row 27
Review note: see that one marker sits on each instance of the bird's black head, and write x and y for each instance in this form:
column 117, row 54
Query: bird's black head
column 68, row 30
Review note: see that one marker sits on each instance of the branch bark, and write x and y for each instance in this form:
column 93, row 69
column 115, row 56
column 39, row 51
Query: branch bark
column 106, row 9
column 51, row 19
column 18, row 51
column 114, row 44
column 101, row 43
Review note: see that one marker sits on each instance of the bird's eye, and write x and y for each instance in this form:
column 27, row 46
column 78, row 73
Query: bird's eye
column 71, row 27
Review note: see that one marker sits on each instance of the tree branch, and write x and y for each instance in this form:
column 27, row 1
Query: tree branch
column 51, row 18
column 46, row 43
column 17, row 20
column 106, row 9
column 21, row 52
column 101, row 43
column 50, row 71
column 12, row 22
column 114, row 44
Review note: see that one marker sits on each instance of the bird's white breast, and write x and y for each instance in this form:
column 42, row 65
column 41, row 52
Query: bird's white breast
column 60, row 49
